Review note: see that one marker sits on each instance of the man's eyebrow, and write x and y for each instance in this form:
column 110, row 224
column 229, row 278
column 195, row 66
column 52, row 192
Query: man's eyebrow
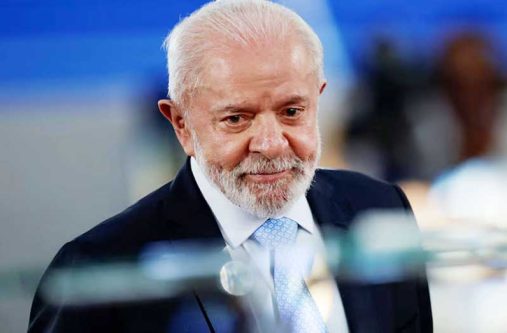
column 293, row 99
column 229, row 108
column 241, row 106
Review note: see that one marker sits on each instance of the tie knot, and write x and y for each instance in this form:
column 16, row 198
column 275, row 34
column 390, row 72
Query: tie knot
column 276, row 232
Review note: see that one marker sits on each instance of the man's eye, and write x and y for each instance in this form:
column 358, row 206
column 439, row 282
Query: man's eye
column 235, row 119
column 292, row 112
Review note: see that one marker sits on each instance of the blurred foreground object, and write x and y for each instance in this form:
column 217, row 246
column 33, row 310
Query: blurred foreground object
column 473, row 193
column 380, row 248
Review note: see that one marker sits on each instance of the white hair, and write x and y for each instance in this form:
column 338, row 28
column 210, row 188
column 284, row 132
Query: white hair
column 225, row 23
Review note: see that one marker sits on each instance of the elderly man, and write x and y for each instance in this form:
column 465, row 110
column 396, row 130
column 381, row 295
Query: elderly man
column 245, row 77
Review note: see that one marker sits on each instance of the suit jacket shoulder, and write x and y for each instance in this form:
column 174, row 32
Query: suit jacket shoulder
column 125, row 233
column 175, row 211
column 360, row 188
column 338, row 196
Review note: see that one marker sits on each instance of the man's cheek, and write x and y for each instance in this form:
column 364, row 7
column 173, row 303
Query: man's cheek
column 228, row 154
column 306, row 146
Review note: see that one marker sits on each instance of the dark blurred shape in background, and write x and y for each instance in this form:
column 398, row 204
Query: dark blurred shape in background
column 420, row 116
column 472, row 81
column 379, row 116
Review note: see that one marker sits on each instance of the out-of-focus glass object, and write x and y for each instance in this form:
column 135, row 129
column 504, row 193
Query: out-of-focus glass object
column 473, row 193
column 236, row 278
column 467, row 267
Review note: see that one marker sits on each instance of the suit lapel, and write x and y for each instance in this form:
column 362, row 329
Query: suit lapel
column 327, row 209
column 187, row 213
column 189, row 217
column 334, row 210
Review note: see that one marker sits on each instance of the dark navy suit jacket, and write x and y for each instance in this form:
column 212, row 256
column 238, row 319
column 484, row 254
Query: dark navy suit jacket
column 178, row 211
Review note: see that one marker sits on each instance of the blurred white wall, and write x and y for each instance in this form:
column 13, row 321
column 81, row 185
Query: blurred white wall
column 62, row 171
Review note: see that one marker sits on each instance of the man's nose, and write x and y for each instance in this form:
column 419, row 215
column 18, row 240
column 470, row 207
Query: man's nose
column 268, row 138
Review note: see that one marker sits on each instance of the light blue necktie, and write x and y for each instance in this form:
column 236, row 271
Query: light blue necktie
column 296, row 307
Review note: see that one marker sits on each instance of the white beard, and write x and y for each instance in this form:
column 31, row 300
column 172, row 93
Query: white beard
column 260, row 199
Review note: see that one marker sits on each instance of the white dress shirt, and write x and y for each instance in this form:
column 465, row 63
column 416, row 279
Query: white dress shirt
column 237, row 225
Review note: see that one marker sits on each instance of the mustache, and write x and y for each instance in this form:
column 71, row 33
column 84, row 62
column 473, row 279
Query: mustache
column 255, row 164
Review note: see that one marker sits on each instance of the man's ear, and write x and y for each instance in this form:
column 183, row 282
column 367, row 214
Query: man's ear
column 174, row 114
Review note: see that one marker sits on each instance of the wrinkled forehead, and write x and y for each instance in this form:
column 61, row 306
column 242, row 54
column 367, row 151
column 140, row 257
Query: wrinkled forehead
column 229, row 63
column 258, row 61
column 265, row 58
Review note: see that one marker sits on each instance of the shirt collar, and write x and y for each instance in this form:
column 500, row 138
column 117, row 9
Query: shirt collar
column 236, row 224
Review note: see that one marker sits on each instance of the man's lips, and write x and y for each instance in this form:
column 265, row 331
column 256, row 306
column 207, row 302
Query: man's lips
column 267, row 177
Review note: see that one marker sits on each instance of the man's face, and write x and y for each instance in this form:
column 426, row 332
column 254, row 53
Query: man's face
column 253, row 126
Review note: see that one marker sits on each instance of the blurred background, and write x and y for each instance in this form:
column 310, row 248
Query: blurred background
column 416, row 96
